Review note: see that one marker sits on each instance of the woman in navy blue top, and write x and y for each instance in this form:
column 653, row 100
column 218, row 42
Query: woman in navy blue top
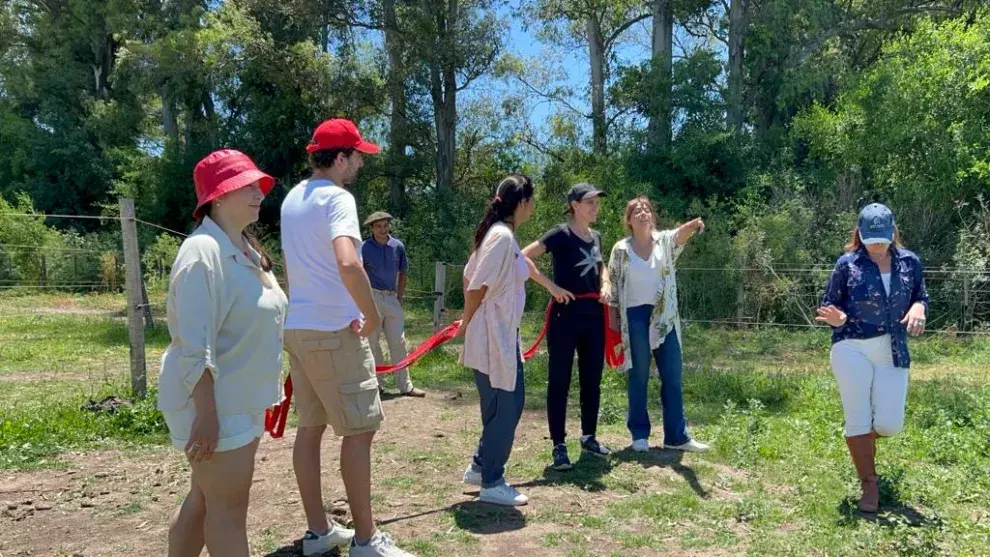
column 875, row 298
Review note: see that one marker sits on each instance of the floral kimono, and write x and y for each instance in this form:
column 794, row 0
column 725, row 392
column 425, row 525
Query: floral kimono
column 665, row 315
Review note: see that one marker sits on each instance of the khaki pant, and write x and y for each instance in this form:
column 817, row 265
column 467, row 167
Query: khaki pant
column 333, row 379
column 393, row 325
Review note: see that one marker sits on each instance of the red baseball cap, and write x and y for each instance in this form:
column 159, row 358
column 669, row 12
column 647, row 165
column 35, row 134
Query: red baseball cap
column 222, row 172
column 340, row 134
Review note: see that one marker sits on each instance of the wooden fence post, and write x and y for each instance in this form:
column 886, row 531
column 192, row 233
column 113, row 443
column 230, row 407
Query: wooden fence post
column 968, row 306
column 440, row 289
column 149, row 320
column 133, row 280
column 741, row 291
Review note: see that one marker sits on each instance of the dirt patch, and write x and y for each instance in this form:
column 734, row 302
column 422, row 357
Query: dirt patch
column 116, row 503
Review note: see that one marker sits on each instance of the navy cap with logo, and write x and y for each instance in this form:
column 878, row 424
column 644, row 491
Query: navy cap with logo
column 876, row 224
column 581, row 191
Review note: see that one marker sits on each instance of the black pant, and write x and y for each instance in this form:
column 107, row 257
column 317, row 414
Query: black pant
column 584, row 332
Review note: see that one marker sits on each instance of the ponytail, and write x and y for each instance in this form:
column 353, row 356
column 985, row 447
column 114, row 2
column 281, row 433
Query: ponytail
column 509, row 193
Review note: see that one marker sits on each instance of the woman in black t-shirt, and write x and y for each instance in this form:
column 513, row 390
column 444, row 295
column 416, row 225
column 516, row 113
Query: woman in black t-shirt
column 576, row 326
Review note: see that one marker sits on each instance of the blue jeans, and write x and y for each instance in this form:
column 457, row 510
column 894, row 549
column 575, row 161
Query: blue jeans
column 669, row 366
column 500, row 414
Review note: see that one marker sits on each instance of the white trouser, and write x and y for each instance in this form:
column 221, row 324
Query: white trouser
column 393, row 325
column 873, row 391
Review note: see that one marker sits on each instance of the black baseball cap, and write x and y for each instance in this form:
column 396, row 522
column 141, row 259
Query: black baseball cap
column 581, row 191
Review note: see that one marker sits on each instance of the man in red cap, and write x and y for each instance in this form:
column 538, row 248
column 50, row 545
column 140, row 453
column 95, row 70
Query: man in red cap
column 331, row 314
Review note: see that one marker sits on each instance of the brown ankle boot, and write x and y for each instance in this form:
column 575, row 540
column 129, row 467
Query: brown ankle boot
column 862, row 449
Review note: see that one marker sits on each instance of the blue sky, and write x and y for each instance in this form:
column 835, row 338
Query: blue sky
column 574, row 64
column 633, row 48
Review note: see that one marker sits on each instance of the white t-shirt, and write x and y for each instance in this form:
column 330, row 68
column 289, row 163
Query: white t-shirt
column 885, row 278
column 313, row 214
column 644, row 278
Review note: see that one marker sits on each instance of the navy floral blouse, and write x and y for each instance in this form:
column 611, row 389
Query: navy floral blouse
column 856, row 288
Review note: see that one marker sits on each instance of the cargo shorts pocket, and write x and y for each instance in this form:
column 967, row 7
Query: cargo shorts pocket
column 318, row 358
column 360, row 404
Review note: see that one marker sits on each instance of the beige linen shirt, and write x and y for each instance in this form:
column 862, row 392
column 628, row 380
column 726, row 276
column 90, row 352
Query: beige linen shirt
column 491, row 341
column 225, row 315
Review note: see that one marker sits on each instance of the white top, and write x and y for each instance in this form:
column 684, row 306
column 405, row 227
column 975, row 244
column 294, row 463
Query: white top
column 885, row 278
column 644, row 278
column 491, row 341
column 314, row 213
column 224, row 315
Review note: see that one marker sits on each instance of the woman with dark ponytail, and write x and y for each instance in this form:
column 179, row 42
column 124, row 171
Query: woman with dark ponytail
column 494, row 301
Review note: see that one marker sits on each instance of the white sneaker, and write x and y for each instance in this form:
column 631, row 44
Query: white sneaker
column 471, row 477
column 381, row 545
column 315, row 544
column 640, row 446
column 691, row 446
column 503, row 494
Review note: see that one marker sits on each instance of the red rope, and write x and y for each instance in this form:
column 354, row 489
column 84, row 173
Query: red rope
column 613, row 340
column 276, row 416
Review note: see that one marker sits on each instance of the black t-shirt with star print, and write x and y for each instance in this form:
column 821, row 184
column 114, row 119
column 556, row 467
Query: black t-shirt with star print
column 577, row 264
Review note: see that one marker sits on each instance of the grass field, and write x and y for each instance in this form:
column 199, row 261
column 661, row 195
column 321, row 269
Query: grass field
column 777, row 482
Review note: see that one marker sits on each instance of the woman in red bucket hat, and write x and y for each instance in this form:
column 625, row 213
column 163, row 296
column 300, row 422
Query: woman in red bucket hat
column 221, row 371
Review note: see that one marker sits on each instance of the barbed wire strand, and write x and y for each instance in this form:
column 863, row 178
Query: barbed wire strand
column 59, row 216
column 160, row 227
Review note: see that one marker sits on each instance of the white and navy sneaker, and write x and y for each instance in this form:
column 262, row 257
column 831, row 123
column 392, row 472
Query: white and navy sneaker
column 561, row 462
column 591, row 445
column 318, row 544
column 640, row 446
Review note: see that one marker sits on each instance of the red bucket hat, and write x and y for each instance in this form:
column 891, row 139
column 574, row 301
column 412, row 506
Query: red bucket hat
column 222, row 172
column 340, row 134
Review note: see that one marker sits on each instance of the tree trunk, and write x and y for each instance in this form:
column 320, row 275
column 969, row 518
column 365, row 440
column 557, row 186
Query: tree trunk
column 397, row 94
column 596, row 55
column 446, row 120
column 443, row 90
column 737, row 31
column 169, row 122
column 661, row 113
column 104, row 54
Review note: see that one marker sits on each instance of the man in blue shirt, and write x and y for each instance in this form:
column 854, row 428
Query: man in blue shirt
column 385, row 262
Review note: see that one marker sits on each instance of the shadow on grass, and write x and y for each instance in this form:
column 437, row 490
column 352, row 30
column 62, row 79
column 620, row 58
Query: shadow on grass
column 295, row 550
column 471, row 516
column 586, row 474
column 666, row 459
column 892, row 511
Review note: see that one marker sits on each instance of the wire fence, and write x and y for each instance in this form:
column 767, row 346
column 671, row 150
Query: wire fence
column 786, row 296
column 959, row 299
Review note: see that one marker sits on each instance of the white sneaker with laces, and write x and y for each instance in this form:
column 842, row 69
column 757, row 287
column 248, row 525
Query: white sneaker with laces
column 640, row 446
column 381, row 545
column 471, row 477
column 503, row 494
column 336, row 536
column 691, row 446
